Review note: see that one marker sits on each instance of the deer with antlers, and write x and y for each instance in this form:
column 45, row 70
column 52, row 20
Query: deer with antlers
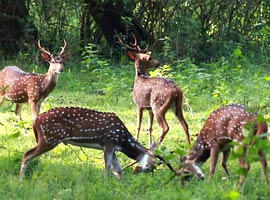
column 156, row 94
column 221, row 128
column 22, row 87
column 88, row 128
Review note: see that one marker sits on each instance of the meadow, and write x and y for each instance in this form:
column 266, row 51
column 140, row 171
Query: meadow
column 67, row 172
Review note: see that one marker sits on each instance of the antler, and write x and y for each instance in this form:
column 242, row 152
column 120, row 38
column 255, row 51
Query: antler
column 123, row 44
column 167, row 163
column 175, row 173
column 43, row 49
column 132, row 46
column 139, row 50
column 63, row 48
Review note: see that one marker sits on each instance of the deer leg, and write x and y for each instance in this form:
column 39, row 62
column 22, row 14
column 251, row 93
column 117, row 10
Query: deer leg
column 34, row 108
column 244, row 165
column 1, row 99
column 18, row 111
column 225, row 157
column 213, row 161
column 264, row 165
column 108, row 157
column 117, row 169
column 184, row 124
column 38, row 107
column 32, row 153
column 139, row 121
column 160, row 117
column 150, row 124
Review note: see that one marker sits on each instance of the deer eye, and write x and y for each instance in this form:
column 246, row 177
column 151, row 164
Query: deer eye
column 58, row 59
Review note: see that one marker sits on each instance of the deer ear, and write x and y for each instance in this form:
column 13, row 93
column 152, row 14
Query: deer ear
column 137, row 170
column 153, row 147
column 66, row 56
column 131, row 55
column 183, row 158
column 46, row 57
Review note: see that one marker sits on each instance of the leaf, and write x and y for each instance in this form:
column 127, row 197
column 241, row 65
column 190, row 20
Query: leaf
column 260, row 118
column 237, row 52
column 169, row 156
column 15, row 134
column 267, row 78
column 232, row 195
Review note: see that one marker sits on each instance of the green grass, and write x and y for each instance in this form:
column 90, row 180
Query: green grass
column 70, row 173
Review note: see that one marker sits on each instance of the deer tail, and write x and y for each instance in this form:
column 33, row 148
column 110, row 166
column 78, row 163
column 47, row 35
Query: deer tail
column 178, row 106
column 180, row 116
column 262, row 128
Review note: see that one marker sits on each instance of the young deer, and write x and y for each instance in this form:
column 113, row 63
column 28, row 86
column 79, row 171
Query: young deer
column 87, row 128
column 22, row 87
column 222, row 127
column 157, row 94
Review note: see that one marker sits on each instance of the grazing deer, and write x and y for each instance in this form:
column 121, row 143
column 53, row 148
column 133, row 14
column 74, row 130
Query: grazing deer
column 87, row 128
column 222, row 127
column 155, row 94
column 22, row 87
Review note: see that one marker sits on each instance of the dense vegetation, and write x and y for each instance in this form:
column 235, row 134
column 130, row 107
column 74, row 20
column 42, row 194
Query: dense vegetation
column 67, row 173
column 217, row 52
column 200, row 30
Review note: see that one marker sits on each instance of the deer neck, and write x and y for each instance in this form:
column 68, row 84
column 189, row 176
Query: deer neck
column 199, row 154
column 51, row 80
column 140, row 72
column 134, row 150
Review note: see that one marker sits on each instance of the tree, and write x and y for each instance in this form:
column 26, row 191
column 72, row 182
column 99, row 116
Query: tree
column 113, row 15
column 201, row 30
column 15, row 27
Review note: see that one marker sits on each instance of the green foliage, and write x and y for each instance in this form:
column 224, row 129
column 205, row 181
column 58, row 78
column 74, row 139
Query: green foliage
column 56, row 20
column 95, row 83
column 167, row 51
column 91, row 59
column 204, row 31
column 225, row 81
column 232, row 195
column 59, row 174
column 258, row 143
column 105, row 80
column 162, row 71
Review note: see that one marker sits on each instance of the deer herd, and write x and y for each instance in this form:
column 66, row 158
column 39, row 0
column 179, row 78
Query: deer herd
column 105, row 131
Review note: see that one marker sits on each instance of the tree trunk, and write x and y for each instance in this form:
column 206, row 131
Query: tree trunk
column 112, row 16
column 15, row 29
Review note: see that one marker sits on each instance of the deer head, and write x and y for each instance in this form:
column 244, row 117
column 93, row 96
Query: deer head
column 142, row 57
column 56, row 62
column 143, row 61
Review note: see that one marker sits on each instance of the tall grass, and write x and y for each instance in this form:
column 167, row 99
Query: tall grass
column 69, row 173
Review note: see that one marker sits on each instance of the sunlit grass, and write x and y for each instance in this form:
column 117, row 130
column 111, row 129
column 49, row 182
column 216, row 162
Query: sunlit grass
column 70, row 173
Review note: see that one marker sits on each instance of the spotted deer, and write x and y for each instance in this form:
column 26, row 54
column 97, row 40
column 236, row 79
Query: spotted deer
column 22, row 87
column 221, row 128
column 87, row 128
column 156, row 94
